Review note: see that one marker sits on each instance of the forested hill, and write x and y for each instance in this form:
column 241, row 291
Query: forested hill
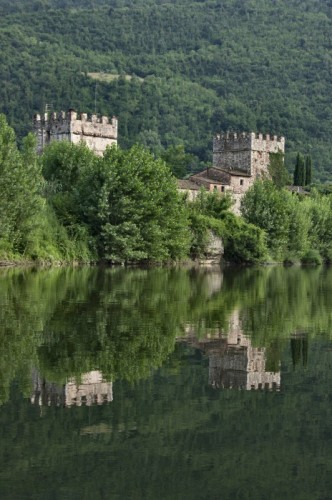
column 175, row 72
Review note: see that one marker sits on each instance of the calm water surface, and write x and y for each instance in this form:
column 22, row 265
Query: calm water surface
column 166, row 384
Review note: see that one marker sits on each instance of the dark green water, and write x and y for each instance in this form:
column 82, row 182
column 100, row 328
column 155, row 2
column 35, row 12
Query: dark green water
column 166, row 384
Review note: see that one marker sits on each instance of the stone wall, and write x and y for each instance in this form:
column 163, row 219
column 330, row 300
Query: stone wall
column 262, row 146
column 232, row 151
column 238, row 187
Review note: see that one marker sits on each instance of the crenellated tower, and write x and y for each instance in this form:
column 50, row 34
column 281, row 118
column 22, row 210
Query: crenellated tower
column 247, row 153
column 97, row 132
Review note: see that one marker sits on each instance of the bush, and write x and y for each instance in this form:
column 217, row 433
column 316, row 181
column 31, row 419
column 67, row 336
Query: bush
column 312, row 258
column 329, row 256
column 243, row 242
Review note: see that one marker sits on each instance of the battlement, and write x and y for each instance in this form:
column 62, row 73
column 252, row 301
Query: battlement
column 91, row 389
column 268, row 381
column 97, row 132
column 231, row 136
column 228, row 141
column 70, row 117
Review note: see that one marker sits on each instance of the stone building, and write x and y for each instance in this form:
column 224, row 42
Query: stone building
column 97, row 132
column 238, row 160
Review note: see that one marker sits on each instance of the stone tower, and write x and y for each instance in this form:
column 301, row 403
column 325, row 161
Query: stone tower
column 96, row 132
column 246, row 153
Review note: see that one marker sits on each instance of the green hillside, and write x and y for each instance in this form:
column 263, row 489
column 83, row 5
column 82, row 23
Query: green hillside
column 194, row 68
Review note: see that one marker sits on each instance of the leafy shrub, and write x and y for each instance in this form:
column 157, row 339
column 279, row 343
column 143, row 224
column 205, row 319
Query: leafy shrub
column 312, row 257
column 243, row 242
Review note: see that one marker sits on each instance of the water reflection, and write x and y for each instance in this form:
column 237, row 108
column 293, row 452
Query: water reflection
column 90, row 389
column 125, row 323
column 234, row 363
column 299, row 348
column 164, row 342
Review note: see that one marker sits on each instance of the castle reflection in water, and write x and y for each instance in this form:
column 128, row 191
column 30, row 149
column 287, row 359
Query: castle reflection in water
column 90, row 389
column 233, row 361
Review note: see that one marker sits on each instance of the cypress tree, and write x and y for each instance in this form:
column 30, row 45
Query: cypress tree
column 308, row 170
column 299, row 172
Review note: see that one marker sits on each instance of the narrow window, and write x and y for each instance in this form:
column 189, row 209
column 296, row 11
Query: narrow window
column 241, row 182
column 222, row 189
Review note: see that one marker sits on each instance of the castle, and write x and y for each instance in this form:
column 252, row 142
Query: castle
column 96, row 132
column 238, row 160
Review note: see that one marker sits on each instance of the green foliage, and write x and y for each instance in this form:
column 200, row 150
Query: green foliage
column 319, row 212
column 308, row 170
column 277, row 170
column 242, row 242
column 299, row 229
column 300, row 171
column 267, row 207
column 30, row 228
column 126, row 203
column 312, row 257
column 200, row 234
column 212, row 204
column 20, row 185
column 63, row 164
column 303, row 170
column 133, row 208
column 135, row 59
column 294, row 225
column 180, row 162
column 150, row 139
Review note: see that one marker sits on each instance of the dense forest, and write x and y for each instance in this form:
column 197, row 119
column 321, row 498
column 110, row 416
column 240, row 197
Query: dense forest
column 177, row 72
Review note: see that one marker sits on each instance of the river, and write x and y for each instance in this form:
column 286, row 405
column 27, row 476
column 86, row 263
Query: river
column 166, row 383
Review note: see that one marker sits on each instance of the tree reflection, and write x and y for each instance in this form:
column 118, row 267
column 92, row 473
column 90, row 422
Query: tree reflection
column 124, row 323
